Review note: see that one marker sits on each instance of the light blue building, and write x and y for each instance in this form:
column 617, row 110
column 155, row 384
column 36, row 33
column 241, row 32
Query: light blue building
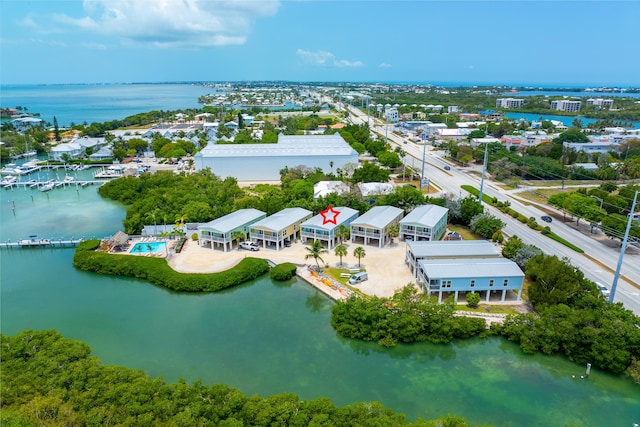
column 489, row 275
column 220, row 231
column 448, row 249
column 374, row 224
column 425, row 222
column 315, row 228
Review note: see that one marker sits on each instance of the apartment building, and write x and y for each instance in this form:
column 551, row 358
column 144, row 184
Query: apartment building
column 564, row 105
column 509, row 102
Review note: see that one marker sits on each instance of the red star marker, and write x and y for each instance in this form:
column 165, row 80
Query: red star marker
column 329, row 215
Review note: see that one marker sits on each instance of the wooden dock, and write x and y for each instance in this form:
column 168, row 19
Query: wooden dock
column 41, row 243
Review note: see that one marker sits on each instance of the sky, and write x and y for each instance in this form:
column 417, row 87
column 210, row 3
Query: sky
column 536, row 43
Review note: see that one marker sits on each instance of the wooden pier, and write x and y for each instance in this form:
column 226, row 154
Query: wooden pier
column 41, row 243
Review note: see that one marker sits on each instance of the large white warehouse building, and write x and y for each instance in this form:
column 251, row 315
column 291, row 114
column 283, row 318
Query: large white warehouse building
column 263, row 162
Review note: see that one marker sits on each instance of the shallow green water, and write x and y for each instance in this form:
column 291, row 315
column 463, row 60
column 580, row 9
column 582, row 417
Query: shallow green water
column 265, row 338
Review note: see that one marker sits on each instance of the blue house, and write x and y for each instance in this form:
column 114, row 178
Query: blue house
column 425, row 222
column 316, row 229
column 489, row 275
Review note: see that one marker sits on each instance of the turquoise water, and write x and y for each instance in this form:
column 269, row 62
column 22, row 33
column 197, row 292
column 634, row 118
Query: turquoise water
column 148, row 247
column 566, row 120
column 265, row 337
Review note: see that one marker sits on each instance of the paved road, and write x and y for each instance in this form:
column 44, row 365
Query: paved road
column 599, row 261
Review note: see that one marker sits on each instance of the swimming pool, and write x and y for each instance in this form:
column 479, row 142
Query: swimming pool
column 148, row 247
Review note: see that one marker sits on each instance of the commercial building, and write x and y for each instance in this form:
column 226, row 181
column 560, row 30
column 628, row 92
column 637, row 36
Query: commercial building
column 426, row 222
column 220, row 231
column 489, row 275
column 263, row 162
column 374, row 224
column 280, row 228
column 318, row 228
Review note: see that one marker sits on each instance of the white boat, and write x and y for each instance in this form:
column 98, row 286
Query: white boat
column 111, row 172
column 27, row 168
column 49, row 185
column 9, row 169
column 68, row 179
column 34, row 241
column 10, row 180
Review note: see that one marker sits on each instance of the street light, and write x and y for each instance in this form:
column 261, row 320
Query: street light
column 623, row 247
column 424, row 152
column 484, row 168
column 601, row 200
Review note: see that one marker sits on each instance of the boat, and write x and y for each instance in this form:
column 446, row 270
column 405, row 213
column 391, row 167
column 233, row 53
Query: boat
column 68, row 179
column 27, row 168
column 9, row 169
column 49, row 185
column 111, row 172
column 8, row 181
column 33, row 240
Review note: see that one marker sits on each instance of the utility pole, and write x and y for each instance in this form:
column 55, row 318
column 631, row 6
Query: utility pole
column 484, row 168
column 424, row 152
column 622, row 249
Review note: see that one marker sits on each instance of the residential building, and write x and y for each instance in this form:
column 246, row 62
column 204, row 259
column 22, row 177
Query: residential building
column 425, row 222
column 391, row 115
column 600, row 102
column 263, row 162
column 509, row 102
column 448, row 249
column 324, row 188
column 603, row 146
column 374, row 224
column 488, row 275
column 317, row 228
column 280, row 228
column 220, row 231
column 369, row 189
column 452, row 109
column 25, row 123
column 565, row 105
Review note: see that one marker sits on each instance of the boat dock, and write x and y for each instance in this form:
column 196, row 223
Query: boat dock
column 33, row 242
column 48, row 184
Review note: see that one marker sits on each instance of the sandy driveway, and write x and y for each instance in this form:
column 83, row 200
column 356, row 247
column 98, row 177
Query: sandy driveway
column 386, row 267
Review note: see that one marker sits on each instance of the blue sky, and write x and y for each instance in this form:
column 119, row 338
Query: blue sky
column 563, row 43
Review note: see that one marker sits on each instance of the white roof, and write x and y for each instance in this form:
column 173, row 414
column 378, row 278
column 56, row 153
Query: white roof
column 471, row 268
column 378, row 216
column 283, row 219
column 317, row 221
column 375, row 188
column 323, row 188
column 453, row 248
column 427, row 215
column 287, row 145
column 233, row 220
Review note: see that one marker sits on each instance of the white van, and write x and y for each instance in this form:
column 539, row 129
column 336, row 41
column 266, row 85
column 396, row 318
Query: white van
column 358, row 278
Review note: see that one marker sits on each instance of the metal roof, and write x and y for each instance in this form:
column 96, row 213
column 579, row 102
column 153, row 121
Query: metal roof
column 470, row 268
column 453, row 248
column 428, row 215
column 287, row 145
column 378, row 216
column 233, row 220
column 283, row 219
column 317, row 221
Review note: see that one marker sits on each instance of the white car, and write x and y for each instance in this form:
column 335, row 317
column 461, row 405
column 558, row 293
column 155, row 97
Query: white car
column 603, row 290
column 250, row 246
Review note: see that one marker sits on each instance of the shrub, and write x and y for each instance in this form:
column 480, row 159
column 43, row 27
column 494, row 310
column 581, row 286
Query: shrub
column 284, row 271
column 194, row 237
column 473, row 299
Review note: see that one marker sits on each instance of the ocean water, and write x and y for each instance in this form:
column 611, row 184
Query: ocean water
column 566, row 120
column 267, row 337
column 100, row 102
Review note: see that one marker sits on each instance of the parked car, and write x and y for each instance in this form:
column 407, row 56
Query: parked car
column 250, row 246
column 358, row 278
column 603, row 290
column 546, row 218
column 447, row 168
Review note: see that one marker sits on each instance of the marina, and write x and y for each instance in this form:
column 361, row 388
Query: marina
column 34, row 241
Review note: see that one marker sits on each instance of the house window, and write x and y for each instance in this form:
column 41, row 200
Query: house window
column 506, row 282
column 473, row 283
column 491, row 283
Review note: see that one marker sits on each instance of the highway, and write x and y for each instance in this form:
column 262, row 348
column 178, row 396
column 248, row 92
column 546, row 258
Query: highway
column 599, row 261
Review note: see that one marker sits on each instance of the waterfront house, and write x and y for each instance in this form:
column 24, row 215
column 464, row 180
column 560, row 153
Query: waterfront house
column 448, row 249
column 488, row 275
column 220, row 231
column 425, row 222
column 280, row 228
column 374, row 224
column 24, row 123
column 317, row 228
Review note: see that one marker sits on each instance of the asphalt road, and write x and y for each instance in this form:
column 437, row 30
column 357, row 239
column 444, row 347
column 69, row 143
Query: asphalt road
column 599, row 261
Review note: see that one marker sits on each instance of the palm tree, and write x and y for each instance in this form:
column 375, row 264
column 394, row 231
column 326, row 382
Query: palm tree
column 315, row 250
column 393, row 231
column 359, row 253
column 342, row 232
column 341, row 250
column 237, row 235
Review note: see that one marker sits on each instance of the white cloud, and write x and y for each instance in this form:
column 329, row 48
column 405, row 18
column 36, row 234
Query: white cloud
column 385, row 65
column 173, row 23
column 94, row 46
column 324, row 58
